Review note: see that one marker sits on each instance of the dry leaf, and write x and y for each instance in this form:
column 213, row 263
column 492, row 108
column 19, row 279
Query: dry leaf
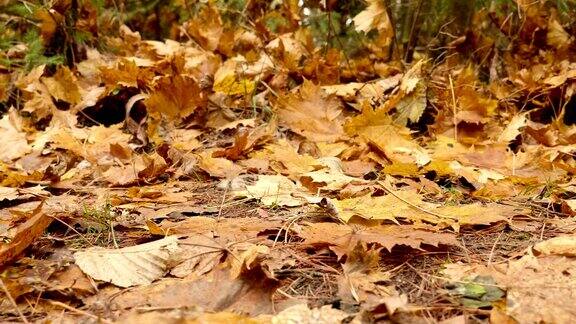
column 129, row 266
column 175, row 96
column 227, row 80
column 250, row 294
column 344, row 238
column 63, row 86
column 14, row 142
column 218, row 167
column 24, row 234
column 271, row 190
column 302, row 314
column 312, row 114
column 373, row 17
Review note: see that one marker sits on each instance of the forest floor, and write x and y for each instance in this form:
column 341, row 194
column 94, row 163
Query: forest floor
column 239, row 178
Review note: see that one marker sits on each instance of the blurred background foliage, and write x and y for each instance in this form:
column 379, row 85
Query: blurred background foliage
column 53, row 31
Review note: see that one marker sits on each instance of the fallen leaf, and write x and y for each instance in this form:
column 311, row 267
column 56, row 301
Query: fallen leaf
column 175, row 96
column 302, row 314
column 218, row 167
column 361, row 280
column 312, row 114
column 374, row 16
column 561, row 245
column 24, row 234
column 250, row 294
column 206, row 27
column 15, row 144
column 344, row 238
column 290, row 162
column 227, row 80
column 330, row 178
column 271, row 190
column 63, row 86
column 129, row 266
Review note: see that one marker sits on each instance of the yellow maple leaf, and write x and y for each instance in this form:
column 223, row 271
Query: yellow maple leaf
column 63, row 86
column 228, row 81
column 312, row 114
column 175, row 96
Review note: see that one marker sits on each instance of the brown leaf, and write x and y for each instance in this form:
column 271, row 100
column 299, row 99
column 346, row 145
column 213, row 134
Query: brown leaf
column 362, row 281
column 72, row 279
column 312, row 114
column 25, row 234
column 129, row 266
column 175, row 96
column 234, row 153
column 14, row 142
column 218, row 167
column 63, row 86
column 206, row 27
column 250, row 294
column 343, row 238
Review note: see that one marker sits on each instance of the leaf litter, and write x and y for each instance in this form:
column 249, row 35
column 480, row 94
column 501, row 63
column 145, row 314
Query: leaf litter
column 254, row 183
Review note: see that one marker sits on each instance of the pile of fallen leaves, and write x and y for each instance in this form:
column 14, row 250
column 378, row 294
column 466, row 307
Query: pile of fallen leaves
column 246, row 176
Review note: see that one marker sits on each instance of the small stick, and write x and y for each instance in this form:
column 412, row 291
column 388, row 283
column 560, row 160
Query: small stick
column 409, row 203
column 13, row 302
column 78, row 311
column 494, row 248
column 453, row 109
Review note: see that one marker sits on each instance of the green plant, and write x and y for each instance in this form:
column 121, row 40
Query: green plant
column 99, row 222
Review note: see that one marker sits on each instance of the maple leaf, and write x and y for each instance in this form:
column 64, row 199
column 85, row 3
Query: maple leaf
column 233, row 153
column 272, row 190
column 36, row 222
column 556, row 35
column 288, row 50
column 15, row 144
column 40, row 105
column 362, row 280
column 175, row 96
column 372, row 91
column 218, row 167
column 301, row 313
column 393, row 140
column 413, row 92
column 387, row 207
column 290, row 161
column 374, row 16
column 330, row 178
column 4, row 86
column 228, row 81
column 473, row 105
column 206, row 27
column 63, row 86
column 126, row 73
column 246, row 256
column 344, row 238
column 312, row 114
column 514, row 128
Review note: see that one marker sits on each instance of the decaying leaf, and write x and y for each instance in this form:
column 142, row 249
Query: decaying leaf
column 272, row 190
column 344, row 238
column 175, row 97
column 312, row 114
column 21, row 236
column 302, row 314
column 374, row 16
column 362, row 281
column 129, row 266
column 15, row 144
column 326, row 148
column 251, row 294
